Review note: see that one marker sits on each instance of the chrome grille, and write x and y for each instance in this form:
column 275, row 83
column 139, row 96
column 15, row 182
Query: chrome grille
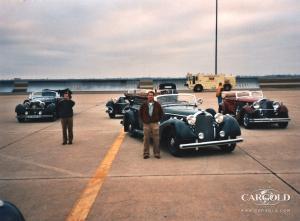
column 204, row 124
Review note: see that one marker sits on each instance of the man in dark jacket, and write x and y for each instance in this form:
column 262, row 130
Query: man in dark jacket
column 151, row 113
column 65, row 111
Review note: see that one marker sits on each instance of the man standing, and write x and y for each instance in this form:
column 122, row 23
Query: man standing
column 65, row 111
column 219, row 96
column 151, row 113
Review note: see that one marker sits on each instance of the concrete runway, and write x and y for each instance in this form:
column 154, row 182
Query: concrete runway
column 45, row 179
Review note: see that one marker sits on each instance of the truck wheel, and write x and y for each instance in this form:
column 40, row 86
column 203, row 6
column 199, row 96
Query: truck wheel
column 228, row 147
column 173, row 145
column 198, row 88
column 227, row 87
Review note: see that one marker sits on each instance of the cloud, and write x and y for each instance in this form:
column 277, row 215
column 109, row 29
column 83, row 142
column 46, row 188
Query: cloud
column 149, row 37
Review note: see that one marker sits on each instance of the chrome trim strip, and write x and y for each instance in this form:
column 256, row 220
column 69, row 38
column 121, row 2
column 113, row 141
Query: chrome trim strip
column 269, row 120
column 33, row 116
column 209, row 143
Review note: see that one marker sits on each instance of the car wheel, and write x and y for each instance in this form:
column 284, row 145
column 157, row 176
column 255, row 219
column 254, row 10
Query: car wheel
column 198, row 88
column 283, row 125
column 54, row 117
column 131, row 129
column 21, row 120
column 112, row 115
column 228, row 147
column 246, row 122
column 173, row 144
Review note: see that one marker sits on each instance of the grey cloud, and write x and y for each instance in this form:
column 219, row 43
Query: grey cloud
column 110, row 38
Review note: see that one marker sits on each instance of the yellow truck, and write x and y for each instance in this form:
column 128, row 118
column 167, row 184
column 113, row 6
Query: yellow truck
column 199, row 82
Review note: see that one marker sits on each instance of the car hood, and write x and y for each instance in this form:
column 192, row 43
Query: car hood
column 180, row 110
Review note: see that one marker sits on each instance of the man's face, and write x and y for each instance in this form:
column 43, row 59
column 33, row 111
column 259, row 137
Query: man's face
column 66, row 95
column 150, row 97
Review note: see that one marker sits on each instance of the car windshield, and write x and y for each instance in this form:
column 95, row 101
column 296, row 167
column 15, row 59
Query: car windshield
column 176, row 99
column 255, row 94
column 44, row 94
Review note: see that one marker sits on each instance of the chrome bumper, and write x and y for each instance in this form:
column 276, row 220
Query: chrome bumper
column 269, row 120
column 34, row 116
column 209, row 143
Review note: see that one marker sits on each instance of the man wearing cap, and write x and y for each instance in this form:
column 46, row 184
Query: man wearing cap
column 65, row 111
column 151, row 113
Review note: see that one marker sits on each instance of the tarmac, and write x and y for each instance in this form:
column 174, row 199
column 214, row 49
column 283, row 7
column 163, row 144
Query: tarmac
column 103, row 176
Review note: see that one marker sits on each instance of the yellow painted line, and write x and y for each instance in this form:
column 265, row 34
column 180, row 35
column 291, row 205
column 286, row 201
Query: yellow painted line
column 84, row 204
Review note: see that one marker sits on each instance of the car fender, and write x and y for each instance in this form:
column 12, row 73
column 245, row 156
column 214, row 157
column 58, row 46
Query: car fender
column 110, row 104
column 283, row 108
column 231, row 126
column 181, row 128
column 51, row 108
column 128, row 117
column 20, row 109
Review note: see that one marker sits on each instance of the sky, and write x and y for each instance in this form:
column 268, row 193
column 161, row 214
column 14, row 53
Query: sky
column 147, row 38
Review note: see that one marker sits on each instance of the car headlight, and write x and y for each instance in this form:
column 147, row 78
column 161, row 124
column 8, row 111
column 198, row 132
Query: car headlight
column 191, row 119
column 26, row 112
column 40, row 112
column 256, row 105
column 201, row 136
column 222, row 133
column 276, row 105
column 219, row 118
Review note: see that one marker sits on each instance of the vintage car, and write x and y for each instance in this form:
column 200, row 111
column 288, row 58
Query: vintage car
column 40, row 105
column 167, row 88
column 185, row 126
column 250, row 108
column 117, row 106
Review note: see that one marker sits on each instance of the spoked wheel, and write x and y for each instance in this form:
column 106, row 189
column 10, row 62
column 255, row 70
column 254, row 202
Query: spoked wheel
column 228, row 147
column 246, row 122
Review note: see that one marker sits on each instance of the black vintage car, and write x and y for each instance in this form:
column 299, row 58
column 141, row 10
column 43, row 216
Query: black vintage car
column 40, row 105
column 117, row 106
column 185, row 126
column 251, row 108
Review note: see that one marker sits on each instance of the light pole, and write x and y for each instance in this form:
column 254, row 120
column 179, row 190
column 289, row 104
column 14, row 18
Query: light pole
column 216, row 41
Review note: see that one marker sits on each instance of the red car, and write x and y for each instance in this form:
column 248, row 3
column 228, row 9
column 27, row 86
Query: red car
column 251, row 108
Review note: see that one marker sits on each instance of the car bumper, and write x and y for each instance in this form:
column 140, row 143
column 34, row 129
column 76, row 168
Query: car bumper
column 34, row 116
column 269, row 120
column 209, row 143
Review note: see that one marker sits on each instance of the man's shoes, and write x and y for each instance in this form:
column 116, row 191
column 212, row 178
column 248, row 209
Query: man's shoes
column 146, row 157
column 70, row 142
column 64, row 143
column 158, row 157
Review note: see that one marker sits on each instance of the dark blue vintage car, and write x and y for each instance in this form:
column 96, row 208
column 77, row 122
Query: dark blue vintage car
column 40, row 105
column 185, row 126
column 117, row 106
